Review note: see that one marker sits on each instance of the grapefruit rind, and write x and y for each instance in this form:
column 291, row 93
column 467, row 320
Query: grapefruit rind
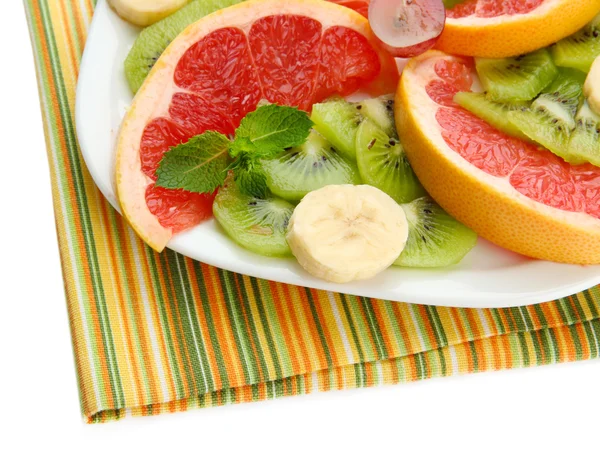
column 154, row 97
column 512, row 35
column 487, row 204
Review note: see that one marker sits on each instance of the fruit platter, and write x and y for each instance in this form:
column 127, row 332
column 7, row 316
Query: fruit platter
column 428, row 151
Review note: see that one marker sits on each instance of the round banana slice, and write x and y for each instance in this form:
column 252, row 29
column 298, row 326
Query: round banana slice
column 145, row 12
column 591, row 88
column 342, row 233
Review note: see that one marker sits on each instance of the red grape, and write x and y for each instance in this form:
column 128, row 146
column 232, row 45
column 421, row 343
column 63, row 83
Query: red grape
column 407, row 28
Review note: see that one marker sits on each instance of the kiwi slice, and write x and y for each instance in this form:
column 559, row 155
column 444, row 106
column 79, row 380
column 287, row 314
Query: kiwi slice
column 516, row 79
column 337, row 120
column 258, row 224
column 380, row 111
column 550, row 119
column 584, row 145
column 297, row 171
column 494, row 113
column 382, row 163
column 579, row 50
column 153, row 40
column 435, row 239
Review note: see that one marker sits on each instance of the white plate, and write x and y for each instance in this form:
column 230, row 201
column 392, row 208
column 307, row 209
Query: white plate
column 488, row 277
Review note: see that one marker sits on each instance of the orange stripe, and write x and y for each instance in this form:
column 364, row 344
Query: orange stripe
column 224, row 327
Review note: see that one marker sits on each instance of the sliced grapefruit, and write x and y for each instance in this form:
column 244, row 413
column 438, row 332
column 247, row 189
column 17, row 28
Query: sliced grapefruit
column 290, row 52
column 502, row 28
column 512, row 193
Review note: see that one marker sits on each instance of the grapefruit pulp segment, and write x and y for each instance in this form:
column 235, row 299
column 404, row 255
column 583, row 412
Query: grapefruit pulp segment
column 290, row 52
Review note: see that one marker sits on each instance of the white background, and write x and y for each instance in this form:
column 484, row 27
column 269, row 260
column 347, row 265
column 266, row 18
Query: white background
column 550, row 407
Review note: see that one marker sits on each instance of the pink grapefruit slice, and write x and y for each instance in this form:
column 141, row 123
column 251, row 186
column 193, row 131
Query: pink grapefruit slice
column 501, row 28
column 290, row 52
column 510, row 192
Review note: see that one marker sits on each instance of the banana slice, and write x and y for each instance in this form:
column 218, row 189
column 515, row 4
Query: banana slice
column 145, row 12
column 342, row 233
column 591, row 89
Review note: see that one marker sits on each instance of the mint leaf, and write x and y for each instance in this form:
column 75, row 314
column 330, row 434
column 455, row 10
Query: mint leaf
column 199, row 165
column 249, row 175
column 252, row 183
column 270, row 129
column 242, row 145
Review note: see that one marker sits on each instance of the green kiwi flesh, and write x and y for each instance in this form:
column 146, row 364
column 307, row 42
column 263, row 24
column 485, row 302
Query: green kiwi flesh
column 550, row 120
column 337, row 120
column 380, row 111
column 382, row 163
column 435, row 239
column 516, row 79
column 579, row 50
column 297, row 171
column 494, row 113
column 585, row 139
column 153, row 40
column 254, row 223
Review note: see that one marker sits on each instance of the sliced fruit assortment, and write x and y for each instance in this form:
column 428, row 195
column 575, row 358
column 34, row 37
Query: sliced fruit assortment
column 509, row 191
column 529, row 97
column 315, row 173
column 504, row 28
column 289, row 52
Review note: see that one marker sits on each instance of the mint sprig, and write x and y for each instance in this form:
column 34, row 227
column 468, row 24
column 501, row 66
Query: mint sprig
column 201, row 164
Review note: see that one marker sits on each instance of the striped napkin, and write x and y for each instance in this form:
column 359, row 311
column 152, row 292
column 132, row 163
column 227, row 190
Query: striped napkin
column 156, row 333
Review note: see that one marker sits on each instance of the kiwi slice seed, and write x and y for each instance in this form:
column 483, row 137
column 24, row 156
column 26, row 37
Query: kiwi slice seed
column 516, row 79
column 435, row 239
column 382, row 163
column 153, row 40
column 297, row 171
column 579, row 50
column 254, row 223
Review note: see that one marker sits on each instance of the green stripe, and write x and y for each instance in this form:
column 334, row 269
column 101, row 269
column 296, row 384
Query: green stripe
column 250, row 328
column 243, row 346
column 262, row 316
column 374, row 329
column 317, row 322
column 210, row 323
